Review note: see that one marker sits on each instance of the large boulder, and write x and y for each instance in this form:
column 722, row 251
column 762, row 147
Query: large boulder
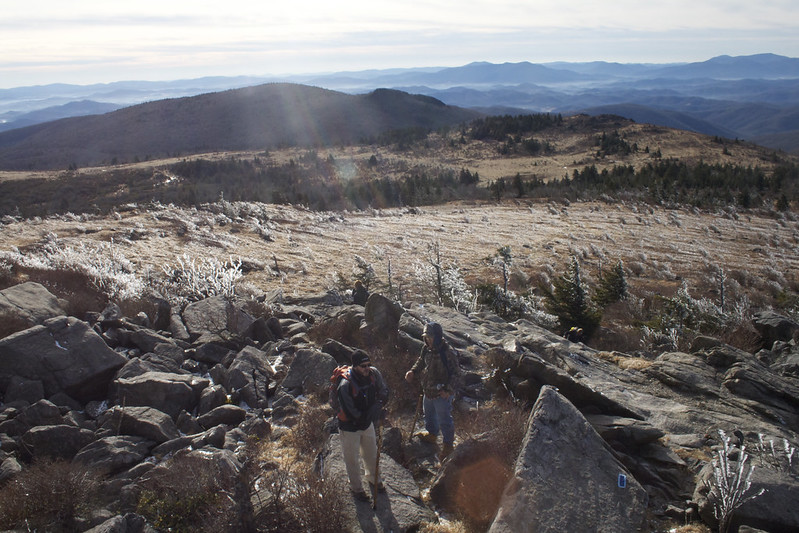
column 774, row 327
column 215, row 318
column 566, row 477
column 65, row 354
column 55, row 442
column 146, row 422
column 170, row 393
column 228, row 415
column 30, row 302
column 309, row 372
column 250, row 374
column 381, row 320
column 776, row 396
column 114, row 454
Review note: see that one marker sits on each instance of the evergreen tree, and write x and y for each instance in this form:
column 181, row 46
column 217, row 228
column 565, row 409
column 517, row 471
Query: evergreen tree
column 612, row 287
column 569, row 301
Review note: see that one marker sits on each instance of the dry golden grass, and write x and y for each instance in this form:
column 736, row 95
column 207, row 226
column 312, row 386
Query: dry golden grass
column 624, row 361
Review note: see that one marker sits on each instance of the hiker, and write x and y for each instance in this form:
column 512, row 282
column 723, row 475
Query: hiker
column 360, row 293
column 361, row 394
column 575, row 334
column 440, row 374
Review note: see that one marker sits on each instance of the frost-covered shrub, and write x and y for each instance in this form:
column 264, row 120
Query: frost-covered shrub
column 730, row 483
column 104, row 264
column 777, row 457
column 195, row 280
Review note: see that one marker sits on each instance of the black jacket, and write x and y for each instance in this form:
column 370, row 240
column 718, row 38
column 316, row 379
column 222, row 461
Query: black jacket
column 362, row 399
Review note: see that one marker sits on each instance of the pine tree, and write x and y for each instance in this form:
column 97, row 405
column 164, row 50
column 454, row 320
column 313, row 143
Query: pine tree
column 569, row 301
column 612, row 287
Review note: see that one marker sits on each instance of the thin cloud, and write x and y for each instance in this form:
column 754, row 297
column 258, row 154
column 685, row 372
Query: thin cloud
column 240, row 37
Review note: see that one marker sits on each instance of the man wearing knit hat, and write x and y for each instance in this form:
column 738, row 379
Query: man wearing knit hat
column 362, row 394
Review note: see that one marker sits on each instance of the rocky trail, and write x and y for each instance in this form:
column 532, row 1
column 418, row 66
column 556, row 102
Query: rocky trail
column 607, row 446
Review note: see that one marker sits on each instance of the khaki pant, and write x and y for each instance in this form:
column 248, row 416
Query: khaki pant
column 357, row 444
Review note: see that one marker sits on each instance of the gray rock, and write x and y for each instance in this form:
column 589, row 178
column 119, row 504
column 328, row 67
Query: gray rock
column 229, row 415
column 211, row 397
column 774, row 327
column 340, row 352
column 9, row 467
column 146, row 340
column 146, row 422
column 177, row 328
column 65, row 354
column 401, row 507
column 250, row 374
column 41, row 413
column 55, row 442
column 30, row 302
column 628, row 431
column 309, row 372
column 27, row 390
column 114, row 454
column 566, row 477
column 685, row 372
column 211, row 352
column 776, row 395
column 215, row 318
column 381, row 320
column 167, row 392
column 129, row 523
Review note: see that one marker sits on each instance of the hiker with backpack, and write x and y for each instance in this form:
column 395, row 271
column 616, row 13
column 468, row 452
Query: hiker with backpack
column 361, row 394
column 438, row 366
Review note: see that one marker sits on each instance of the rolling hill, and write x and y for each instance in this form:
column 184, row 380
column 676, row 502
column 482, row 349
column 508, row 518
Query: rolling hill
column 252, row 118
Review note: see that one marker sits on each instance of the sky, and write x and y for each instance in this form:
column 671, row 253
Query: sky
column 89, row 41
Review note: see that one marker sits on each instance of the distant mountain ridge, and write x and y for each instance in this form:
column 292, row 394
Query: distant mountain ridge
column 749, row 97
column 260, row 117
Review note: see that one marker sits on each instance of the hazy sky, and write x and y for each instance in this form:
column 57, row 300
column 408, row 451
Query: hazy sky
column 88, row 41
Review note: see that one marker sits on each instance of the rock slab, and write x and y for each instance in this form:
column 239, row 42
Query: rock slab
column 566, row 478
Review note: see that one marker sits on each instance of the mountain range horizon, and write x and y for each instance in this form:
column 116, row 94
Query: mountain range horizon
column 755, row 97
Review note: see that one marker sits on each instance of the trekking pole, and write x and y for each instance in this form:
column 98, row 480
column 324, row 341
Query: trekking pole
column 376, row 483
column 415, row 417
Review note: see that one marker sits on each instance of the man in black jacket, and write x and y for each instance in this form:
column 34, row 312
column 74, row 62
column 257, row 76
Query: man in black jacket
column 362, row 395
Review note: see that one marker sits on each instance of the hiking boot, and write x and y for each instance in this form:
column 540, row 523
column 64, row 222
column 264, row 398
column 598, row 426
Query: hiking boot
column 380, row 487
column 360, row 495
column 429, row 438
column 445, row 451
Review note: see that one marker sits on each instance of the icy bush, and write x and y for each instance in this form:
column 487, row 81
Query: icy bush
column 730, row 483
column 195, row 280
column 104, row 264
column 774, row 456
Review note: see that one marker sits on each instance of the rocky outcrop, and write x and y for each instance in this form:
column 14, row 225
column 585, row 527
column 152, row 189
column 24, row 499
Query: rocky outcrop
column 171, row 393
column 566, row 477
column 65, row 354
column 29, row 302
column 126, row 398
column 401, row 507
column 774, row 327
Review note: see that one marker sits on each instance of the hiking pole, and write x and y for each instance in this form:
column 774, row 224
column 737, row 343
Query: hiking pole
column 415, row 417
column 376, row 483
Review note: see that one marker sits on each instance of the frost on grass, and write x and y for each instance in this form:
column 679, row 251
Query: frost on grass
column 103, row 263
column 109, row 271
